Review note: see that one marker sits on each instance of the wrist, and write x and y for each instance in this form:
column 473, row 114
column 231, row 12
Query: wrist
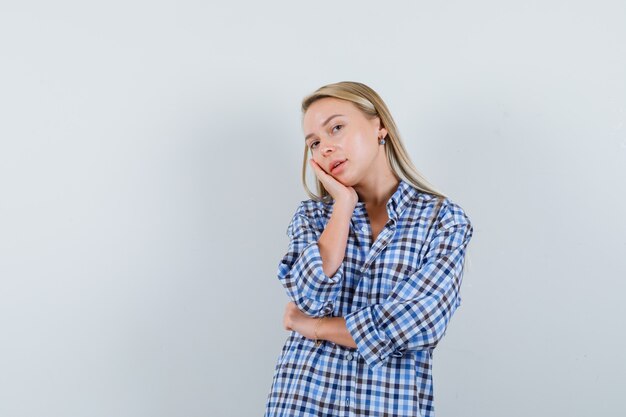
column 344, row 207
column 317, row 330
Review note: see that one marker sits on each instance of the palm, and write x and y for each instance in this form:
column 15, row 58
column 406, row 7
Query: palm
column 336, row 189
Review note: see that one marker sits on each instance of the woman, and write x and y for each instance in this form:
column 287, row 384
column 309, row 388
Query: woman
column 373, row 269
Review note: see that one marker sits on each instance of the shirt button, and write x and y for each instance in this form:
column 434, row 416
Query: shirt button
column 349, row 356
column 363, row 228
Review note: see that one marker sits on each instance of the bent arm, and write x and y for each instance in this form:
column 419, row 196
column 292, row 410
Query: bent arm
column 334, row 329
column 416, row 313
column 312, row 269
column 334, row 239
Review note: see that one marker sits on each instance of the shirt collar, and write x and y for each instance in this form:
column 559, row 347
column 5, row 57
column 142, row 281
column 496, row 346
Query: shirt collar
column 397, row 203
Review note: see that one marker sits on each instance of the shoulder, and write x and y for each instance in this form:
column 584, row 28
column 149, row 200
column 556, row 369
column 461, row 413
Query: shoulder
column 310, row 214
column 312, row 209
column 448, row 212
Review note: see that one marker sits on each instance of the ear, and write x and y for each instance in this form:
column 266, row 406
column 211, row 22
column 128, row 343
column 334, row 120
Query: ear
column 382, row 131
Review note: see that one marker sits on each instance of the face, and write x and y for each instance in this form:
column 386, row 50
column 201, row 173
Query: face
column 349, row 137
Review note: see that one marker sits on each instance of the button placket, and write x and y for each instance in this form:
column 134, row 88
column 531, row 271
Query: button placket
column 377, row 247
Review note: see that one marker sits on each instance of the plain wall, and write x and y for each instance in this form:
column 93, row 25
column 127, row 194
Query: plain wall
column 150, row 157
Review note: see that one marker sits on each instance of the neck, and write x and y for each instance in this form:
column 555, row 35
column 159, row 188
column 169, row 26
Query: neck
column 378, row 190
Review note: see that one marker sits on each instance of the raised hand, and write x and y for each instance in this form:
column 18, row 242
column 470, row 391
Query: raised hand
column 341, row 193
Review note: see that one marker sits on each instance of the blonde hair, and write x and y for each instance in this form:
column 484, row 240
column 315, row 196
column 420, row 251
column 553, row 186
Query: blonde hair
column 371, row 105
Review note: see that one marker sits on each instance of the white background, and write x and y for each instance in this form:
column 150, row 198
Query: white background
column 150, row 156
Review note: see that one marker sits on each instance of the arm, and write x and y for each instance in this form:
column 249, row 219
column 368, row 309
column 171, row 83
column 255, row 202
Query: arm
column 334, row 239
column 312, row 269
column 328, row 328
column 334, row 329
column 416, row 313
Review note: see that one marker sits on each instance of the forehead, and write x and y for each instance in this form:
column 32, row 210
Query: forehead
column 320, row 110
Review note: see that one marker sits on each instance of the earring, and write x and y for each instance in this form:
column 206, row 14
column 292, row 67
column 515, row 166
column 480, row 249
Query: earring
column 382, row 141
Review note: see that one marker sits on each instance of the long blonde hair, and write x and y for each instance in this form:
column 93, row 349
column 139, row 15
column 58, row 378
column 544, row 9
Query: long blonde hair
column 371, row 105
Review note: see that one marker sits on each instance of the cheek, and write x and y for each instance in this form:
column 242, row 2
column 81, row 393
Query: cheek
column 363, row 157
column 319, row 160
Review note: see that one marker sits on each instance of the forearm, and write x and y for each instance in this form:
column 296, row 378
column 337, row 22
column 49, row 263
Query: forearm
column 334, row 329
column 333, row 240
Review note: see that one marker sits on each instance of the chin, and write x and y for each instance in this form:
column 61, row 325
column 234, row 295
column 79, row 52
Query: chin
column 346, row 182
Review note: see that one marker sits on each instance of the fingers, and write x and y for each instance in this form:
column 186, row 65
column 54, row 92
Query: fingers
column 332, row 185
column 319, row 171
column 328, row 180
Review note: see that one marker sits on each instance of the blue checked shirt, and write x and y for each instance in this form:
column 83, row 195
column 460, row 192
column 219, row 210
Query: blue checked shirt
column 397, row 296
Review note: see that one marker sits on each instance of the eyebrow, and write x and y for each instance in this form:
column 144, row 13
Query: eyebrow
column 323, row 124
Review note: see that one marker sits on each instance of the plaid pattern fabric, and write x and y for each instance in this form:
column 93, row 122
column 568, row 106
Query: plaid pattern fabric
column 397, row 295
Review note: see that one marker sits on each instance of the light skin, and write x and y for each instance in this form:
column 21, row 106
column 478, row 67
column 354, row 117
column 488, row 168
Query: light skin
column 365, row 176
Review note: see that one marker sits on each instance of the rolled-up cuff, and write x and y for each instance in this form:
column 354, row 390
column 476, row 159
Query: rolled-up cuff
column 372, row 344
column 315, row 284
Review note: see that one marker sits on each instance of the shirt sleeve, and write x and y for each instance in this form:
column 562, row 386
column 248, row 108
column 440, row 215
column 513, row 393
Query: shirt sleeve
column 300, row 270
column 416, row 313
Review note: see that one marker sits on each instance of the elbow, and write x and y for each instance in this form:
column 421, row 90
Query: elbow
column 430, row 336
column 313, row 308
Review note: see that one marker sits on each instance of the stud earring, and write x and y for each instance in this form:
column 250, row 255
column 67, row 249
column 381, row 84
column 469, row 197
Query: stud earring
column 382, row 141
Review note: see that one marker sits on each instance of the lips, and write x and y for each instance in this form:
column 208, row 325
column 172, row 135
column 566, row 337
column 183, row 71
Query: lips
column 334, row 165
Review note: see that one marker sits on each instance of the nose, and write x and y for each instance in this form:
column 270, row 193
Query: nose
column 327, row 147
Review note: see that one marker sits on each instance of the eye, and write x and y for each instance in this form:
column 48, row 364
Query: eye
column 312, row 144
column 336, row 126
